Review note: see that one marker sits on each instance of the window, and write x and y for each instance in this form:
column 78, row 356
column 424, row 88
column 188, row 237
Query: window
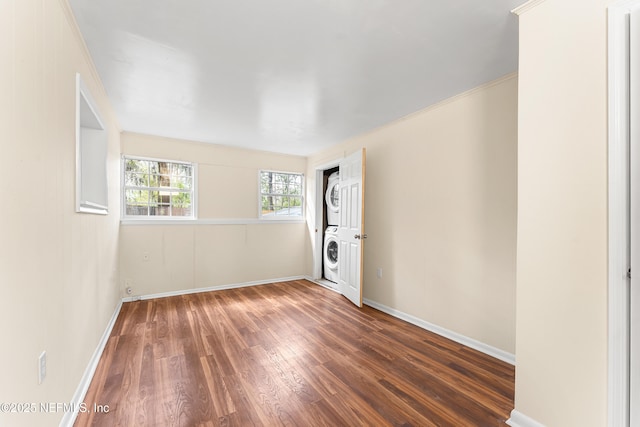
column 158, row 188
column 91, row 155
column 281, row 195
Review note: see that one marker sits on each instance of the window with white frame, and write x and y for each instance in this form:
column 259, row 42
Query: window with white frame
column 281, row 195
column 158, row 188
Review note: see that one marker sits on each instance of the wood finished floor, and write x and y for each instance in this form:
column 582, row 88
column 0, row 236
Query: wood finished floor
column 288, row 354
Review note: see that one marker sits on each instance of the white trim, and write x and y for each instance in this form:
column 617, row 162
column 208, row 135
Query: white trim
column 518, row 419
column 93, row 205
column 83, row 93
column 282, row 218
column 211, row 288
column 526, row 7
column 83, row 209
column 618, row 214
column 318, row 236
column 210, row 221
column 155, row 159
column 459, row 338
column 330, row 164
column 70, row 417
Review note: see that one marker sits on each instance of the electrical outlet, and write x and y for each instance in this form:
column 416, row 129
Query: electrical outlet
column 42, row 367
column 128, row 286
column 379, row 273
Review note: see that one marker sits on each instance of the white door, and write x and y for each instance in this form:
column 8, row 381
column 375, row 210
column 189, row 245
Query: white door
column 634, row 185
column 351, row 226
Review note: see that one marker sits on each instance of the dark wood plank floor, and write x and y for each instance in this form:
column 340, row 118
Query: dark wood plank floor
column 288, row 354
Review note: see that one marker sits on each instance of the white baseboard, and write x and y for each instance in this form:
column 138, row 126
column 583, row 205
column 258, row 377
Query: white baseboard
column 469, row 342
column 211, row 288
column 518, row 419
column 70, row 417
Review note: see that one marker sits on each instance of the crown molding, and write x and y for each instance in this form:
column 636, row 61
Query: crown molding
column 526, row 7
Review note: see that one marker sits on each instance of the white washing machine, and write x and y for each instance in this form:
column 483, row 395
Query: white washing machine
column 332, row 198
column 330, row 253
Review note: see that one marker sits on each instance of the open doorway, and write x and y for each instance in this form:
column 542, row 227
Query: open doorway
column 342, row 190
column 331, row 217
column 326, row 190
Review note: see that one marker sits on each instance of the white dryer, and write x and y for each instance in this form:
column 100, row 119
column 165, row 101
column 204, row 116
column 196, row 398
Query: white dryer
column 332, row 198
column 330, row 253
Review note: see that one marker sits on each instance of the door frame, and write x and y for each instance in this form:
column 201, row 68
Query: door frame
column 619, row 295
column 319, row 234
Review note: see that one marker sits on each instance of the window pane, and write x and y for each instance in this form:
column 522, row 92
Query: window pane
column 134, row 179
column 281, row 194
column 277, row 202
column 266, row 207
column 137, row 210
column 169, row 178
column 163, row 210
column 133, row 165
column 180, row 199
column 181, row 211
column 180, row 204
column 154, row 198
column 264, row 182
column 164, row 180
column 180, row 169
column 153, row 167
column 137, row 197
column 181, row 182
column 137, row 202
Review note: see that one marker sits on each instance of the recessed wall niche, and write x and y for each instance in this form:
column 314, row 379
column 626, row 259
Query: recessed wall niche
column 91, row 154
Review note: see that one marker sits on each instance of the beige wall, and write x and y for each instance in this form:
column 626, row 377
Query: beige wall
column 441, row 213
column 561, row 373
column 58, row 269
column 183, row 257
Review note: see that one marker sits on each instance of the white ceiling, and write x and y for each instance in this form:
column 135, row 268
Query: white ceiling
column 290, row 76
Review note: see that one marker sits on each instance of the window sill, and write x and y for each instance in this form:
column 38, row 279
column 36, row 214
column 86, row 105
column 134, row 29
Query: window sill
column 212, row 221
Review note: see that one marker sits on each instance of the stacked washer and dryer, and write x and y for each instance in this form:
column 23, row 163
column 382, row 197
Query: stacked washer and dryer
column 330, row 247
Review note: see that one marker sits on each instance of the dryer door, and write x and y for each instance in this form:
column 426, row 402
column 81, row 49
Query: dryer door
column 333, row 196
